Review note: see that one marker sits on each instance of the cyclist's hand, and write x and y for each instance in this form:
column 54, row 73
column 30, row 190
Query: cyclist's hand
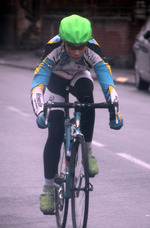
column 114, row 125
column 41, row 121
column 114, row 114
column 116, row 120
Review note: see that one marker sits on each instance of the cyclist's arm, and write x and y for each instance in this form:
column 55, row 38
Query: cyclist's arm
column 41, row 79
column 104, row 76
column 95, row 58
column 103, row 71
column 43, row 72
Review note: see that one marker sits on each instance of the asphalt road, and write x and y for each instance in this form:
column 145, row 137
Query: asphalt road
column 121, row 196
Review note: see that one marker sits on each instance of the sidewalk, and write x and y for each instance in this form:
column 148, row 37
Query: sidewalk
column 20, row 59
column 29, row 60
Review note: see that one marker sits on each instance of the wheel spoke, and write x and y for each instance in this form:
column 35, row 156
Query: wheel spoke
column 61, row 203
column 80, row 182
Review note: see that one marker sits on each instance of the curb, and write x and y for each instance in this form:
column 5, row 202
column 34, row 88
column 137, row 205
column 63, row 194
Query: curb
column 16, row 66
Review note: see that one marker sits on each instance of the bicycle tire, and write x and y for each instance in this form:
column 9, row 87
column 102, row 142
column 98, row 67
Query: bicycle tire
column 61, row 203
column 79, row 184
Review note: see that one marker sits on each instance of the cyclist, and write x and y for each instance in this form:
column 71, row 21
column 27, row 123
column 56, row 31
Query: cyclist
column 67, row 60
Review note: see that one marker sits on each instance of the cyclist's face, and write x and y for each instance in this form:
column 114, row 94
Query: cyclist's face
column 75, row 51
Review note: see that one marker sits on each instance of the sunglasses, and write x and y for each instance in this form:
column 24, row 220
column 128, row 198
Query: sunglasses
column 73, row 47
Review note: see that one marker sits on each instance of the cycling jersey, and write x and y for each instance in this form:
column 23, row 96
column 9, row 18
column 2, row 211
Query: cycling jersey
column 55, row 59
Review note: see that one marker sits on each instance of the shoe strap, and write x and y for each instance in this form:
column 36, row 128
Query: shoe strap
column 48, row 189
column 89, row 151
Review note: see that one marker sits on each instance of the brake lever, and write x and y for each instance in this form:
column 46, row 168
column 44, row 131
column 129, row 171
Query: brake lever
column 47, row 112
column 116, row 111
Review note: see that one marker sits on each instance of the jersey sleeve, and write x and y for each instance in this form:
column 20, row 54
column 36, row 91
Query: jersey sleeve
column 102, row 69
column 42, row 74
column 47, row 62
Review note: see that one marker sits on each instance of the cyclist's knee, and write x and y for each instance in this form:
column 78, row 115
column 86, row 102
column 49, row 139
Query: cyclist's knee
column 87, row 99
column 83, row 90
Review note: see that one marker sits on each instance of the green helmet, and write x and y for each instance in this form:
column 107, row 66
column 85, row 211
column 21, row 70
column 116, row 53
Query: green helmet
column 75, row 29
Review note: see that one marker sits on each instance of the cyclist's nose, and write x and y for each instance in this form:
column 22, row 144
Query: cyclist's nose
column 77, row 52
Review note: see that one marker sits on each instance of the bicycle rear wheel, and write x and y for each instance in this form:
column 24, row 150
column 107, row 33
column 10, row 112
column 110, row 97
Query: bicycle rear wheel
column 79, row 185
column 61, row 203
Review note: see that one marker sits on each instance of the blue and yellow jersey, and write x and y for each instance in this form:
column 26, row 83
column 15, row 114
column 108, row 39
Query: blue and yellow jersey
column 55, row 59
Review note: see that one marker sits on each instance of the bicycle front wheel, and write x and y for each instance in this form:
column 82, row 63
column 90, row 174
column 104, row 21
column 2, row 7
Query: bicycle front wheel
column 79, row 184
column 61, row 203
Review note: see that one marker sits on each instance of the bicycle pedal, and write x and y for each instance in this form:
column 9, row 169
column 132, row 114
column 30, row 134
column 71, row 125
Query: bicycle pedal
column 53, row 213
column 91, row 176
column 90, row 187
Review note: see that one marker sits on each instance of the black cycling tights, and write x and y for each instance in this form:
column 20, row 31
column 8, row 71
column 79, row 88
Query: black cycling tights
column 82, row 89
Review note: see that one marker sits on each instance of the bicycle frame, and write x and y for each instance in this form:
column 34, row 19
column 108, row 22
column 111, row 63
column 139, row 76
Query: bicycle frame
column 68, row 138
column 66, row 183
column 69, row 122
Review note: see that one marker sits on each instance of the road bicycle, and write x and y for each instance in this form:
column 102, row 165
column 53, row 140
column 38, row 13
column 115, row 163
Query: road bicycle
column 72, row 180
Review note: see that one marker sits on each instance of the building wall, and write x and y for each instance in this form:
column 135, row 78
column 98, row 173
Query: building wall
column 29, row 24
column 115, row 36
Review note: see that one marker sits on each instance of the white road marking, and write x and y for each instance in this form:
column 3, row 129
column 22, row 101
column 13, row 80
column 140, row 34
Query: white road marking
column 126, row 156
column 97, row 144
column 13, row 109
column 134, row 160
